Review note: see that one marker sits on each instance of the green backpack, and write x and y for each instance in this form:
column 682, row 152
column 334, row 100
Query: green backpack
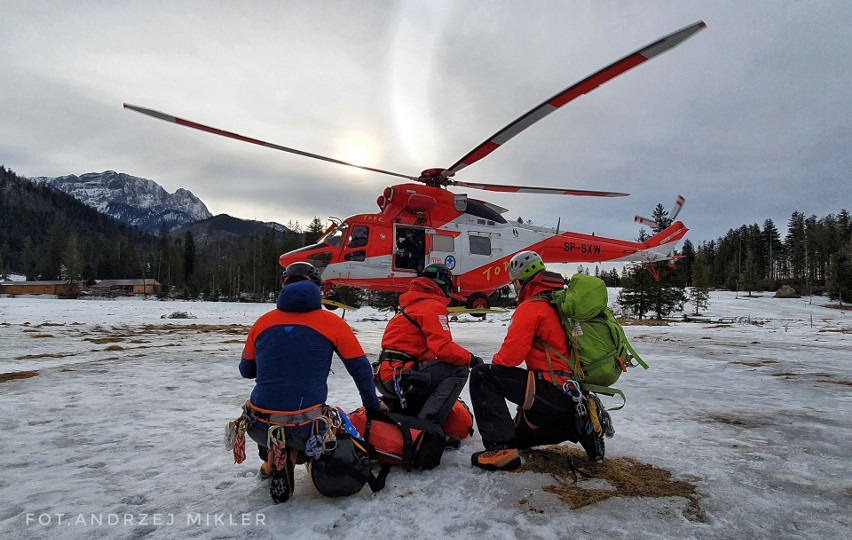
column 600, row 352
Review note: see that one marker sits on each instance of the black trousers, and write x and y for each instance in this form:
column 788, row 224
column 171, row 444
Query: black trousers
column 549, row 419
column 434, row 399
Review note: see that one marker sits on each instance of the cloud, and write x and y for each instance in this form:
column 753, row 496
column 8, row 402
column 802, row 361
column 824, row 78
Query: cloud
column 747, row 119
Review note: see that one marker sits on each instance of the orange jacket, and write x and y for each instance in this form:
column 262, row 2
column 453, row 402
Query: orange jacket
column 535, row 318
column 426, row 304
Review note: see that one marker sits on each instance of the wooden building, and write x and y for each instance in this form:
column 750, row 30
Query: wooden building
column 127, row 286
column 60, row 288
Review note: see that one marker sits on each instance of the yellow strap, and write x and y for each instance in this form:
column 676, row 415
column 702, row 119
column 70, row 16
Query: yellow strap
column 593, row 414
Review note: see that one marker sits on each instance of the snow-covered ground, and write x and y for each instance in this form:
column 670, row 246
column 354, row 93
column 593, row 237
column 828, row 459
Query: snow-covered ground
column 119, row 435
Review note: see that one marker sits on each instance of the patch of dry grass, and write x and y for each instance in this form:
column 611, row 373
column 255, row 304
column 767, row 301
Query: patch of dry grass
column 628, row 477
column 199, row 328
column 841, row 382
column 738, row 422
column 845, row 330
column 4, row 377
column 757, row 363
column 43, row 355
column 108, row 339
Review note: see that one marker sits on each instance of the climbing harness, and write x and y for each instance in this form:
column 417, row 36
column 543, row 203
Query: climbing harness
column 572, row 390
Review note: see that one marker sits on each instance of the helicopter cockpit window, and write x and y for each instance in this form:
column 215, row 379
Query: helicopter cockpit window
column 480, row 245
column 359, row 236
column 320, row 260
column 335, row 236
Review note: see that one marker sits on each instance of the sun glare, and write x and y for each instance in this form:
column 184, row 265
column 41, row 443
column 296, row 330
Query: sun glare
column 357, row 150
column 358, row 154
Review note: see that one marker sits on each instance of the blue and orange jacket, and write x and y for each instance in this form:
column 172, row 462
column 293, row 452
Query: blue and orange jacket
column 535, row 318
column 288, row 351
column 426, row 304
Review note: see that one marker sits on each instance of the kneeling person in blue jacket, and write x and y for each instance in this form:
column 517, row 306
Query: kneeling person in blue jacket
column 288, row 351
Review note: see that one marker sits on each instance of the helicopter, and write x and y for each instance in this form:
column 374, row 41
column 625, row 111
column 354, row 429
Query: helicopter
column 421, row 222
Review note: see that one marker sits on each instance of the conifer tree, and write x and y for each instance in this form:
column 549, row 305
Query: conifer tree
column 699, row 294
column 839, row 282
column 314, row 231
column 189, row 254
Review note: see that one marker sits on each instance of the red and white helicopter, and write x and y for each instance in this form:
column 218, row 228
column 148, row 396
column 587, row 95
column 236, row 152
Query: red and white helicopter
column 422, row 222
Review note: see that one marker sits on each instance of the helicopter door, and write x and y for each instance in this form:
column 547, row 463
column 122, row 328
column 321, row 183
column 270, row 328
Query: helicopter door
column 442, row 249
column 409, row 248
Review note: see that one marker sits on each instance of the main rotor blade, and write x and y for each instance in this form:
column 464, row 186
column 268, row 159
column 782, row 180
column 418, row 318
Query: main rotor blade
column 502, row 188
column 569, row 94
column 230, row 135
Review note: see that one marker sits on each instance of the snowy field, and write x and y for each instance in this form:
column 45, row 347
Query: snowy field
column 119, row 433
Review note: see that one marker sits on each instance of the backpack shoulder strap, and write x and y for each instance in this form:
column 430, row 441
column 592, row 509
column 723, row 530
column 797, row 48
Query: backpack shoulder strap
column 407, row 316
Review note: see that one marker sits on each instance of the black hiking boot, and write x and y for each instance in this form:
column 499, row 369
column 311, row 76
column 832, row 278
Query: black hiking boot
column 591, row 443
column 282, row 482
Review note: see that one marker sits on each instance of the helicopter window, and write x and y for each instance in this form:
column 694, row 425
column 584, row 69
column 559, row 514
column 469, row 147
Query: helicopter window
column 441, row 242
column 359, row 237
column 336, row 235
column 480, row 245
column 357, row 256
column 478, row 209
column 320, row 260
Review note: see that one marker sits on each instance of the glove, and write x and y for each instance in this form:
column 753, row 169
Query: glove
column 383, row 407
column 475, row 361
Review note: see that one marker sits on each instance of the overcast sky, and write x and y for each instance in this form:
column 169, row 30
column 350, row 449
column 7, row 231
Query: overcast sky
column 750, row 119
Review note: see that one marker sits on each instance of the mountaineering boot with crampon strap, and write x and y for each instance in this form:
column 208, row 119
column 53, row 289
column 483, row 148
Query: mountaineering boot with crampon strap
column 505, row 459
column 282, row 482
column 591, row 442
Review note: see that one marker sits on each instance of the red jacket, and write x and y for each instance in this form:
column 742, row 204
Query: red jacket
column 426, row 304
column 535, row 318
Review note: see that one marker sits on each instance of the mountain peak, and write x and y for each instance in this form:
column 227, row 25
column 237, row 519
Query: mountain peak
column 136, row 201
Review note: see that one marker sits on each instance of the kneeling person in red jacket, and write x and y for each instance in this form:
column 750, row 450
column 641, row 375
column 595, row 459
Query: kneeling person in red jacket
column 546, row 414
column 422, row 370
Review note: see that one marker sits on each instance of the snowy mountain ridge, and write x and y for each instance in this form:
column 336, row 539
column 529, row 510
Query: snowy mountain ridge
column 138, row 202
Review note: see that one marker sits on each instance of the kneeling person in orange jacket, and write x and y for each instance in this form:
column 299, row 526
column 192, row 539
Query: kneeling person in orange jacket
column 546, row 414
column 422, row 370
column 288, row 352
